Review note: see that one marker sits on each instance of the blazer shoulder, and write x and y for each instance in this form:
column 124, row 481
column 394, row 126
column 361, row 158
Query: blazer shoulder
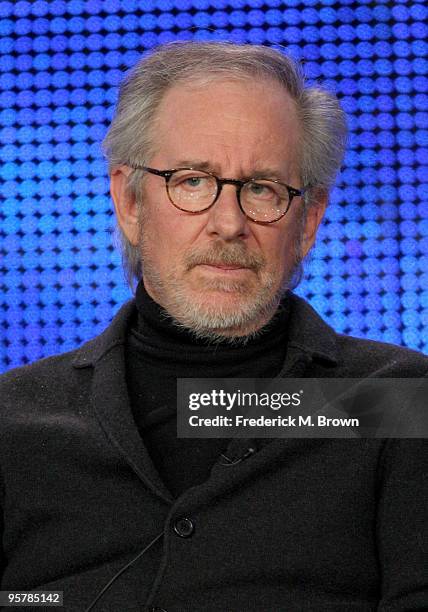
column 342, row 356
column 62, row 374
column 51, row 375
column 373, row 358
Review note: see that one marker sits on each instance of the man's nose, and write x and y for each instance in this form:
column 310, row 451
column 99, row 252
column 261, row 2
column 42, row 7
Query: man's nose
column 226, row 219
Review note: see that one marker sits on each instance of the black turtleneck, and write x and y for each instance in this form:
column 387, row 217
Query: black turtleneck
column 157, row 353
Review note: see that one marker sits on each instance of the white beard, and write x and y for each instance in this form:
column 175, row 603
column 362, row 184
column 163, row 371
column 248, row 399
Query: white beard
column 248, row 305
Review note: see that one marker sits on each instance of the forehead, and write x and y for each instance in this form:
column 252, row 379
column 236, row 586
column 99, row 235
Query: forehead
column 241, row 123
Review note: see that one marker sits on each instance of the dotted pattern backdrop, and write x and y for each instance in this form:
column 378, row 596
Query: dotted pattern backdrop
column 60, row 64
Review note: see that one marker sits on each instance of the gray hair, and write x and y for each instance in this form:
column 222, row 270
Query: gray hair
column 130, row 141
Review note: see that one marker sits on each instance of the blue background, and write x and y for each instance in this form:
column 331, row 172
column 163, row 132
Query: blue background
column 60, row 64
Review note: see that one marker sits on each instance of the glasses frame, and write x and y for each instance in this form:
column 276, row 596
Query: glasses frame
column 239, row 184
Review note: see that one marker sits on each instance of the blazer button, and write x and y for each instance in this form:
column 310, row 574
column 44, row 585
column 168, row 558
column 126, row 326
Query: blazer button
column 184, row 527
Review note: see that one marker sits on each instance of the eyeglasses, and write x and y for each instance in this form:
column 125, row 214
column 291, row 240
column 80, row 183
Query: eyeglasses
column 194, row 191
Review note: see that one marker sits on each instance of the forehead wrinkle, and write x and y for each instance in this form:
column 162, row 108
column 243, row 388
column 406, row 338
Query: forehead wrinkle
column 197, row 164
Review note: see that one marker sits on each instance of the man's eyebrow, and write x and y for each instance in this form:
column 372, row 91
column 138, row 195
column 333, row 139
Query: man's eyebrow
column 264, row 172
column 267, row 173
column 197, row 164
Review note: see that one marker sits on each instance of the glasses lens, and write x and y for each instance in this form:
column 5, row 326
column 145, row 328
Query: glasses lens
column 264, row 200
column 192, row 190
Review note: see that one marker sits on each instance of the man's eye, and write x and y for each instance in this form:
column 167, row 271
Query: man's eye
column 262, row 191
column 257, row 188
column 193, row 181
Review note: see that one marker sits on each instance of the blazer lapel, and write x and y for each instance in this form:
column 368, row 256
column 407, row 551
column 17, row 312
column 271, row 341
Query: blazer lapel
column 110, row 401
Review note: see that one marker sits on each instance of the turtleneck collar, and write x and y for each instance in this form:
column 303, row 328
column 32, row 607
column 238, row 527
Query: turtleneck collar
column 155, row 338
column 154, row 322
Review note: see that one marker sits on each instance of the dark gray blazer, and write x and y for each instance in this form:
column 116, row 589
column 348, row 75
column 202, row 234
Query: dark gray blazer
column 302, row 524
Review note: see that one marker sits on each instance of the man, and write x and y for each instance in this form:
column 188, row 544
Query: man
column 220, row 162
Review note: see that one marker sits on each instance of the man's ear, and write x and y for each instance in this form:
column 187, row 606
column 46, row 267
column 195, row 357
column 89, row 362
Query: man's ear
column 314, row 216
column 124, row 203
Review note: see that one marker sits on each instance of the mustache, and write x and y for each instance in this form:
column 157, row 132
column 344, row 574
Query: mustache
column 235, row 254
